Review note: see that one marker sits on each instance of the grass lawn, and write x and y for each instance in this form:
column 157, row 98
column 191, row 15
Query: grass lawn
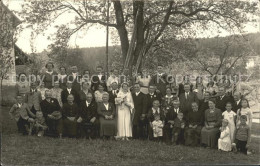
column 31, row 150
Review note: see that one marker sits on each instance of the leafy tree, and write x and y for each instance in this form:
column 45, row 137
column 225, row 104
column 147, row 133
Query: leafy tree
column 139, row 24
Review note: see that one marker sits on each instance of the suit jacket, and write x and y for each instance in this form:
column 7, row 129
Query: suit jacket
column 87, row 113
column 151, row 115
column 75, row 82
column 170, row 116
column 151, row 98
column 95, row 81
column 83, row 96
column 49, row 107
column 236, row 106
column 33, row 99
column 101, row 110
column 181, row 88
column 160, row 82
column 140, row 105
column 185, row 104
column 221, row 103
column 65, row 94
column 112, row 96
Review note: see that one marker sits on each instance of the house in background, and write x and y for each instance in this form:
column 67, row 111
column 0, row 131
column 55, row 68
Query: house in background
column 9, row 22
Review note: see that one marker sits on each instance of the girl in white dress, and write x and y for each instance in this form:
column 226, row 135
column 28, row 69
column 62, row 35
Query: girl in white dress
column 245, row 110
column 231, row 117
column 124, row 103
column 224, row 142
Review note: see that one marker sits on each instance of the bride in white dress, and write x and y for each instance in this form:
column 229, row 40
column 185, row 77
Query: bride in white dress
column 125, row 105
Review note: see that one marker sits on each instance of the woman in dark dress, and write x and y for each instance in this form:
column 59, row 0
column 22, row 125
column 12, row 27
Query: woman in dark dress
column 210, row 132
column 194, row 125
column 84, row 91
column 204, row 103
column 107, row 112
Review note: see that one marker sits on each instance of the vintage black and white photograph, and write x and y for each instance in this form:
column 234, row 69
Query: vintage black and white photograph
column 130, row 82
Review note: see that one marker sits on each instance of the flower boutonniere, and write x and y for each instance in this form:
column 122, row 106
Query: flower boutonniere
column 52, row 101
column 154, row 95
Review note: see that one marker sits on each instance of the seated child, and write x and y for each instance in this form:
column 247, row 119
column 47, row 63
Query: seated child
column 39, row 125
column 242, row 135
column 157, row 128
column 178, row 128
column 224, row 142
column 20, row 111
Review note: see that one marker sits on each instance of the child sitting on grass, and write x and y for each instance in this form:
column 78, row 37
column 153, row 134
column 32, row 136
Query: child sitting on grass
column 157, row 128
column 224, row 142
column 39, row 125
column 242, row 135
column 20, row 111
column 178, row 128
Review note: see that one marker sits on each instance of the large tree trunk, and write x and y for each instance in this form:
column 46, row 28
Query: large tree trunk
column 139, row 22
column 122, row 32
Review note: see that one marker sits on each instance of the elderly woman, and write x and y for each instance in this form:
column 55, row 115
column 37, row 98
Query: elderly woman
column 204, row 104
column 99, row 93
column 70, row 115
column 210, row 133
column 49, row 76
column 107, row 112
column 194, row 125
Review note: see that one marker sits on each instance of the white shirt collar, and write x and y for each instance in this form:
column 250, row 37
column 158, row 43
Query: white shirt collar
column 69, row 90
column 87, row 103
column 49, row 72
column 151, row 94
column 154, row 110
column 19, row 105
column 238, row 101
column 106, row 106
column 137, row 93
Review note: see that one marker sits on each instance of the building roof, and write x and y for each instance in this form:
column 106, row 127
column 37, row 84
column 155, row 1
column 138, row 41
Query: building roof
column 17, row 21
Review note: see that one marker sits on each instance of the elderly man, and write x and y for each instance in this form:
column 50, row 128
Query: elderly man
column 67, row 91
column 222, row 99
column 51, row 112
column 152, row 96
column 237, row 101
column 70, row 115
column 89, row 123
column 169, row 120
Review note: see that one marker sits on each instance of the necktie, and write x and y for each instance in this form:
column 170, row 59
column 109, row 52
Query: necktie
column 186, row 95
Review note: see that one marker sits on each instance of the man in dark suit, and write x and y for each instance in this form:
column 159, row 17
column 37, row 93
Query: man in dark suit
column 186, row 100
column 98, row 78
column 222, row 99
column 139, row 119
column 66, row 92
column 152, row 96
column 113, row 93
column 169, row 121
column 51, row 112
column 75, row 78
column 160, row 80
column 89, row 124
column 237, row 102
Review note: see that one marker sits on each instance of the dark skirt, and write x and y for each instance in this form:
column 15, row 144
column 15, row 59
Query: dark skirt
column 107, row 127
column 192, row 136
column 69, row 128
column 210, row 137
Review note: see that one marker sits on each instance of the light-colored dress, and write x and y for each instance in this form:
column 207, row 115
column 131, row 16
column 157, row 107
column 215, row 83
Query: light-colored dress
column 124, row 121
column 230, row 116
column 157, row 128
column 144, row 82
column 248, row 113
column 22, row 88
column 98, row 96
column 56, row 93
column 224, row 142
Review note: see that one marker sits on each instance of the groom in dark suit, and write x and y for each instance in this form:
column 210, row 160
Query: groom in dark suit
column 160, row 80
column 139, row 119
column 222, row 99
column 98, row 78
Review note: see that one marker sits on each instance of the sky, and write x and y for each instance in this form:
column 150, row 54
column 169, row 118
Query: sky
column 94, row 37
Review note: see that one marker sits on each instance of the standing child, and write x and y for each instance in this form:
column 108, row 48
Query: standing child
column 242, row 135
column 20, row 112
column 245, row 110
column 224, row 142
column 178, row 128
column 157, row 128
column 33, row 98
column 230, row 116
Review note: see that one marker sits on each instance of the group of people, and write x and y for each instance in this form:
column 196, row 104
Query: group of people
column 154, row 107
